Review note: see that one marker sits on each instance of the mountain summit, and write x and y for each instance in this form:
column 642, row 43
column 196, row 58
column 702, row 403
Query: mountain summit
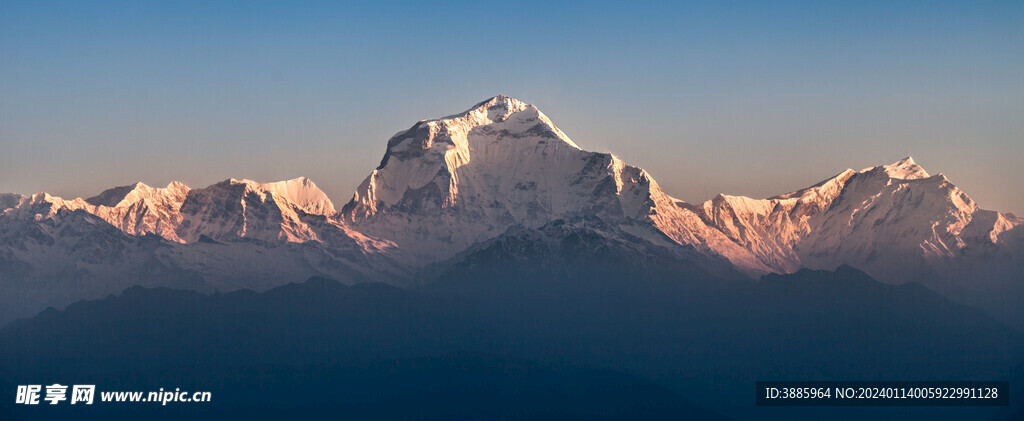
column 446, row 184
column 500, row 135
column 905, row 169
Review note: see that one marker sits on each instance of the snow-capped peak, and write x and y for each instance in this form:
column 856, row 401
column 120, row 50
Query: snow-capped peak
column 904, row 169
column 499, row 136
column 448, row 183
column 133, row 193
column 500, row 109
column 300, row 191
column 881, row 219
column 303, row 193
column 496, row 108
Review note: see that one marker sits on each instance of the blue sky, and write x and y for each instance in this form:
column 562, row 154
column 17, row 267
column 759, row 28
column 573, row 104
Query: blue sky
column 752, row 98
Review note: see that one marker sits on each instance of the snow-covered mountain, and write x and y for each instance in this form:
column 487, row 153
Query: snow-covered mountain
column 291, row 211
column 244, row 208
column 894, row 221
column 446, row 184
column 451, row 185
column 231, row 235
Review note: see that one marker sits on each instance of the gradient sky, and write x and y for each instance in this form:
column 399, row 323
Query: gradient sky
column 737, row 97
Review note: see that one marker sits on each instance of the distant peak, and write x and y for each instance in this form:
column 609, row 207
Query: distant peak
column 905, row 169
column 519, row 118
column 111, row 197
column 297, row 181
column 494, row 109
column 499, row 100
column 499, row 117
column 176, row 185
column 134, row 192
column 293, row 183
column 301, row 191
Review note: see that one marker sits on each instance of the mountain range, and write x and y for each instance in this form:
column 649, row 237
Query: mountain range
column 500, row 174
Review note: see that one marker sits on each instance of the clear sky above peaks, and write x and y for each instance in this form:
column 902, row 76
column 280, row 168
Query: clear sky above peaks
column 752, row 98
